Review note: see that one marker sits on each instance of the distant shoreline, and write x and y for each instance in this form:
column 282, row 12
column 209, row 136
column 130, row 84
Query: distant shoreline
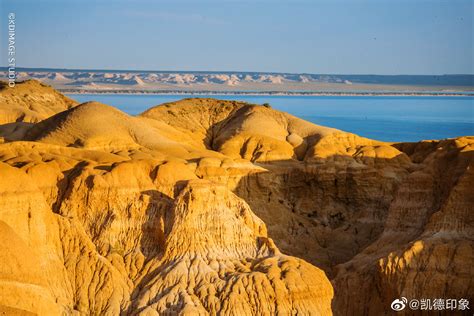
column 248, row 83
column 271, row 93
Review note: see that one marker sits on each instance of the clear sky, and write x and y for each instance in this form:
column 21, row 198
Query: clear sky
column 340, row 37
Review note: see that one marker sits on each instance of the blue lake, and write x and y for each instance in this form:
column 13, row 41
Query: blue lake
column 385, row 118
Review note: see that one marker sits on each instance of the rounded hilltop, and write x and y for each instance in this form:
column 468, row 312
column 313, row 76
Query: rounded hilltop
column 189, row 127
column 94, row 125
column 31, row 101
column 260, row 133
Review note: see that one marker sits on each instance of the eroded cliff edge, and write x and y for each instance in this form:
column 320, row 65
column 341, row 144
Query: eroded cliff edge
column 168, row 211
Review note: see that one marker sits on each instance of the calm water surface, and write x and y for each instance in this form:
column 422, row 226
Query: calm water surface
column 384, row 118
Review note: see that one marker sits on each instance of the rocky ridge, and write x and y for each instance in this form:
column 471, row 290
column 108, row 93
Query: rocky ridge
column 204, row 206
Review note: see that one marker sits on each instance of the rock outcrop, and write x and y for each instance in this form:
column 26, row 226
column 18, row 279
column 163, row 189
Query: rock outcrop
column 29, row 102
column 206, row 207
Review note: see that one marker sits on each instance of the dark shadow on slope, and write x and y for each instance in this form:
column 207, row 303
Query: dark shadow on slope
column 65, row 186
column 331, row 211
column 323, row 212
column 327, row 212
column 152, row 245
column 14, row 131
column 152, row 242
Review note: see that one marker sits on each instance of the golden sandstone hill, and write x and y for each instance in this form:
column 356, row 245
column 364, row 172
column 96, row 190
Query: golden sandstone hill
column 206, row 207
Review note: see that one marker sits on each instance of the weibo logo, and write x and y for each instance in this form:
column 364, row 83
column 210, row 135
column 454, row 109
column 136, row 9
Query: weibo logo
column 399, row 304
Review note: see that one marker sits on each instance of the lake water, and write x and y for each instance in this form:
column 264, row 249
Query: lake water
column 384, row 118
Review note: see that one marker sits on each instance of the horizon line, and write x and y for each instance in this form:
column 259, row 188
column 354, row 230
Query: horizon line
column 5, row 68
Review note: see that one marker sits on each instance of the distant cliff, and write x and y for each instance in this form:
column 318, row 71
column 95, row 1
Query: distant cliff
column 97, row 80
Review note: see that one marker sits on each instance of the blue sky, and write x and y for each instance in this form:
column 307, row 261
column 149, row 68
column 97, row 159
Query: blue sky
column 352, row 36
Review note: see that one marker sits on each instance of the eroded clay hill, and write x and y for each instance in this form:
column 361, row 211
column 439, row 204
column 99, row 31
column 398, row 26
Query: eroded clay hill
column 30, row 102
column 212, row 207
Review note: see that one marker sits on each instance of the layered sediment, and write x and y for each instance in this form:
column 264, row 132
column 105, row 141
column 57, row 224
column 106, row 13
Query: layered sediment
column 206, row 207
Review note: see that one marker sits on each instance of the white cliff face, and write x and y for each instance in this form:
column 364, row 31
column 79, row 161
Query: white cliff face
column 82, row 78
column 79, row 80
